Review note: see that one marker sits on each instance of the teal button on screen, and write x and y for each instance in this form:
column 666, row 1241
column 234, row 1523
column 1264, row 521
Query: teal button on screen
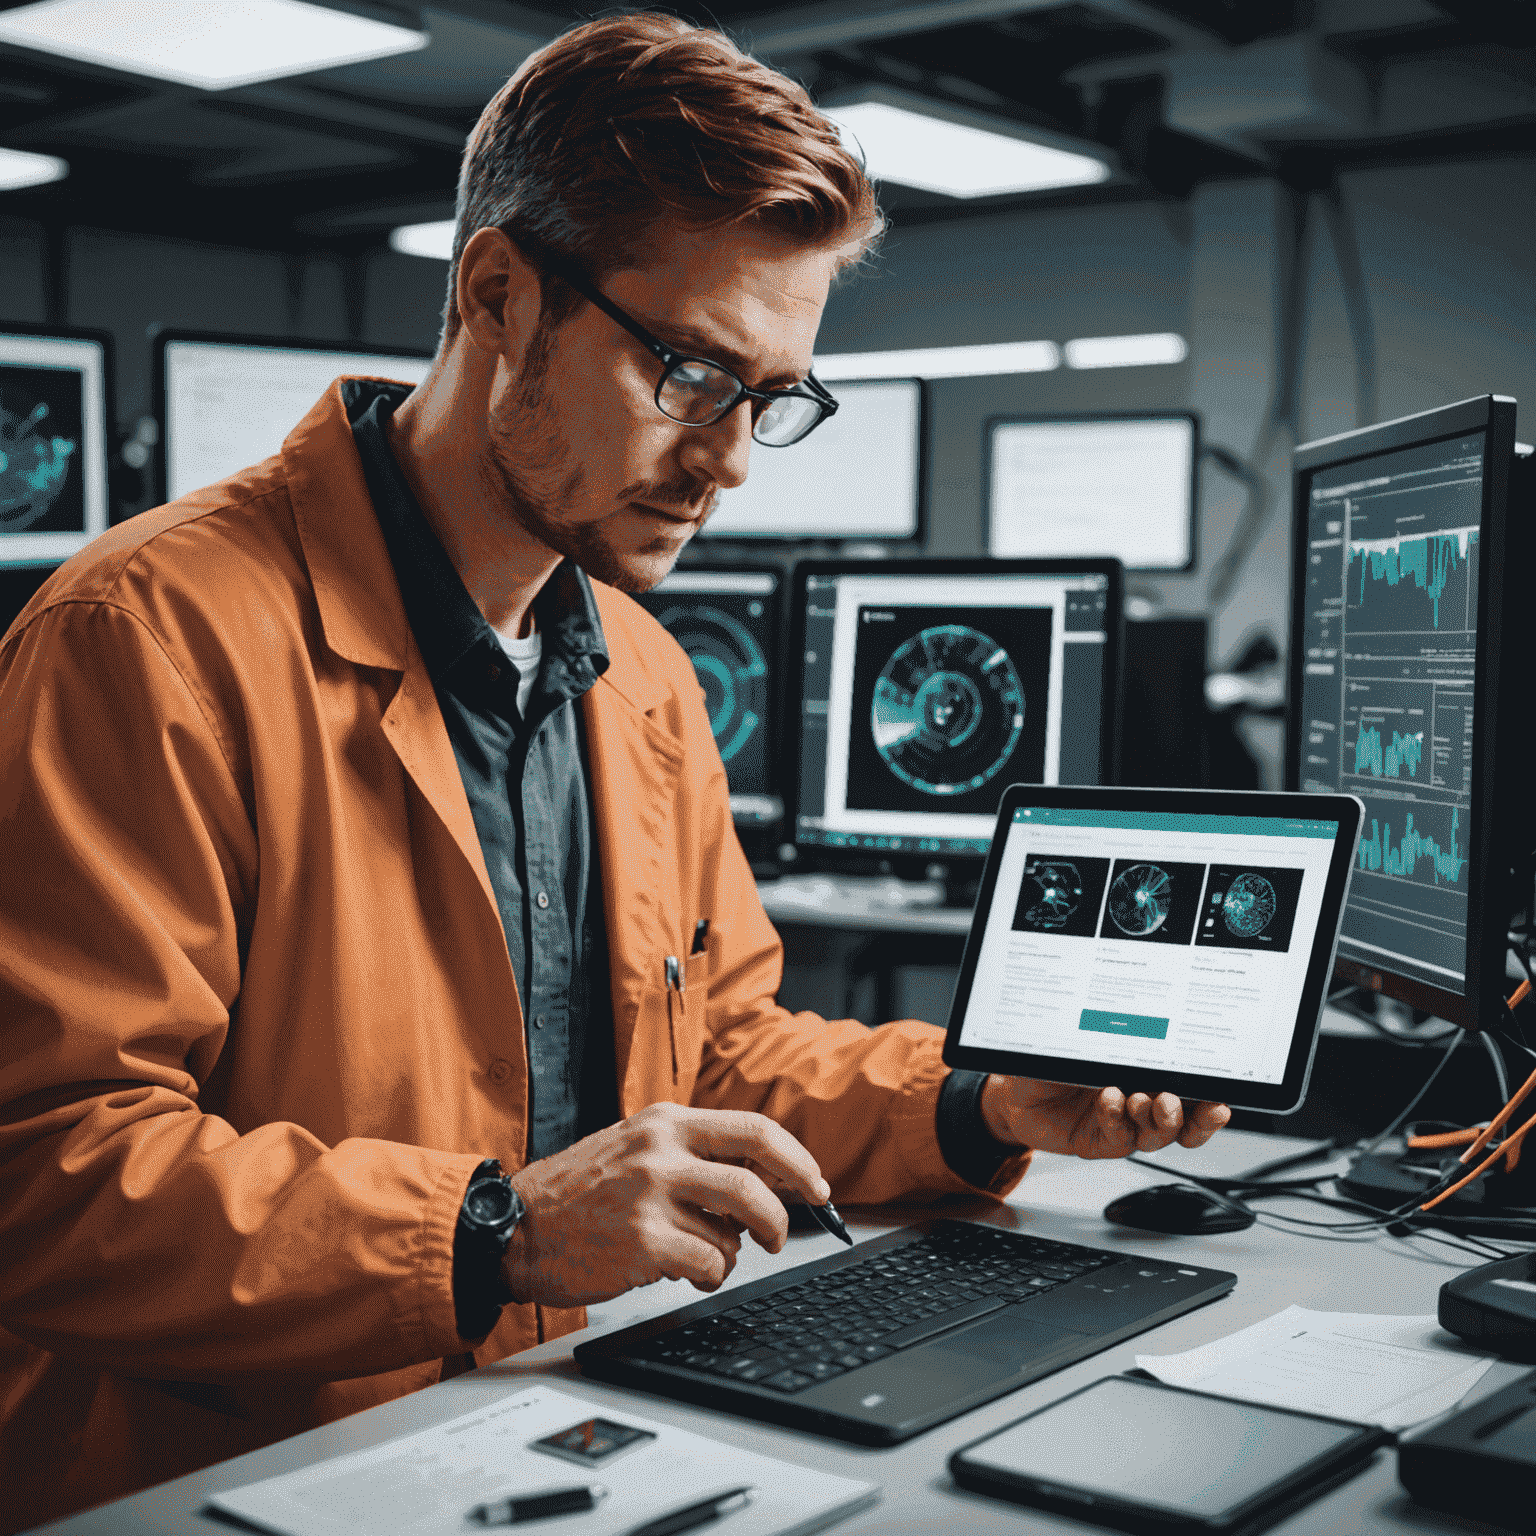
column 1124, row 1024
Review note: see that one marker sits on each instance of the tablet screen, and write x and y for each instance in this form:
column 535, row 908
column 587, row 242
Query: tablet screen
column 1173, row 1451
column 1175, row 941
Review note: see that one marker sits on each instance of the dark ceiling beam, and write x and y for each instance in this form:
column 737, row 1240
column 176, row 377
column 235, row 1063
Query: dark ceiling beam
column 343, row 117
column 837, row 23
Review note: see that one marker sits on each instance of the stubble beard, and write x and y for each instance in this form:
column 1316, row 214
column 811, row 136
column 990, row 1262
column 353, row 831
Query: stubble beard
column 526, row 434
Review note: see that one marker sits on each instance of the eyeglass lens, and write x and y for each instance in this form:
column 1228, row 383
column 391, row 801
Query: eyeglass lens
column 698, row 393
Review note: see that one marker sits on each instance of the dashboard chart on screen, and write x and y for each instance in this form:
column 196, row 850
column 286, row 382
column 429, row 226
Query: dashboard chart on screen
column 54, row 427
column 1393, row 593
column 928, row 687
column 727, row 620
column 1402, row 632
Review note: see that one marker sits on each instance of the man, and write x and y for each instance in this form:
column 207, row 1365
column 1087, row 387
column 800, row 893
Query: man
column 358, row 830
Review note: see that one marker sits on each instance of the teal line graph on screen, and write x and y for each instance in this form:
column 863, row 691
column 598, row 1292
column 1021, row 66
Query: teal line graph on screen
column 1379, row 856
column 1428, row 562
column 1406, row 752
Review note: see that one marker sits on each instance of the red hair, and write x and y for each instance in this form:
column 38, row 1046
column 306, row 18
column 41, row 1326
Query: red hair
column 633, row 124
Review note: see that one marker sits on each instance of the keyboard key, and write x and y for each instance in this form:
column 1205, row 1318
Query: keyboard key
column 788, row 1381
column 823, row 1370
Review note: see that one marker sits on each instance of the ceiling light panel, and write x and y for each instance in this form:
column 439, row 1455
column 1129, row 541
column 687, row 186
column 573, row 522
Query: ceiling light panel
column 1126, row 351
column 983, row 361
column 933, row 153
column 433, row 240
column 211, row 44
column 19, row 168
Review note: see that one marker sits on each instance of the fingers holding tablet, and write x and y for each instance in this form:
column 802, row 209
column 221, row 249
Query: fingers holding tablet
column 1093, row 1122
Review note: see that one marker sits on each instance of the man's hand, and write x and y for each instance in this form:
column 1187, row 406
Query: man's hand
column 1093, row 1122
column 661, row 1195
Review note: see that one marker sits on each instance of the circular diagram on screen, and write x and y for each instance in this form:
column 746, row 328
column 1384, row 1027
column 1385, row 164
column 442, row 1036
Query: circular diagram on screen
column 731, row 668
column 948, row 710
column 1140, row 899
column 1057, row 891
column 1249, row 906
column 33, row 467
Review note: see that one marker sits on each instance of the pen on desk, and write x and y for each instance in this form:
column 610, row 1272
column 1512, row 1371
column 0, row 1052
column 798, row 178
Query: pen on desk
column 539, row 1506
column 702, row 1513
column 826, row 1217
column 700, row 934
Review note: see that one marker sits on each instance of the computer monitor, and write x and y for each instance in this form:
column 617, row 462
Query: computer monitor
column 55, row 421
column 227, row 402
column 1061, row 487
column 859, row 475
column 1410, row 674
column 727, row 618
column 926, row 687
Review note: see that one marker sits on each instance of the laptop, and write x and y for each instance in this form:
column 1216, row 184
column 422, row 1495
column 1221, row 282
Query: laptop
column 898, row 1334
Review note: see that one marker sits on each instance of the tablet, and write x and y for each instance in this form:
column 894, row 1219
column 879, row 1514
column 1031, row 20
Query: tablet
column 1151, row 1458
column 1176, row 940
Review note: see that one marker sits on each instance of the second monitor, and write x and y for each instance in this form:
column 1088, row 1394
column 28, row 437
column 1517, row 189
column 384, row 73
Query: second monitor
column 727, row 620
column 929, row 686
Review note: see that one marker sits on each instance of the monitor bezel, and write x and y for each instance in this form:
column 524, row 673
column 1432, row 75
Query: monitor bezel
column 106, row 341
column 773, row 760
column 1496, row 730
column 820, row 856
column 1029, row 418
column 163, row 337
column 901, row 541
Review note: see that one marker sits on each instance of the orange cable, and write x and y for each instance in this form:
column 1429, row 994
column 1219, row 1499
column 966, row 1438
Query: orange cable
column 1445, row 1139
column 1520, row 994
column 1510, row 1146
column 1498, row 1121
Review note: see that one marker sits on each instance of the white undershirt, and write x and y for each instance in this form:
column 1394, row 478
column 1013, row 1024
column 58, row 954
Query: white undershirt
column 526, row 654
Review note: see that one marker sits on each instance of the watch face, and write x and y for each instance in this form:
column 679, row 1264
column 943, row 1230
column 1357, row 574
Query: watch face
column 490, row 1202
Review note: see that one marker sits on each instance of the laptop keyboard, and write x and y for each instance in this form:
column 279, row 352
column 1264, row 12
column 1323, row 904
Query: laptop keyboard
column 837, row 1322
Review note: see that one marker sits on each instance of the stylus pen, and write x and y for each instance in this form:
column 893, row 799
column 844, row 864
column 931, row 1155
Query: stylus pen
column 826, row 1216
column 712, row 1508
column 539, row 1506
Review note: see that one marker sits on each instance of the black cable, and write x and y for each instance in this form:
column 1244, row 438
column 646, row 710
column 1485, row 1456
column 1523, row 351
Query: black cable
column 1413, row 1103
column 1496, row 1059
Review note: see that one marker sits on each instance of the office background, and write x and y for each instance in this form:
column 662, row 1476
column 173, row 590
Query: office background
column 1332, row 201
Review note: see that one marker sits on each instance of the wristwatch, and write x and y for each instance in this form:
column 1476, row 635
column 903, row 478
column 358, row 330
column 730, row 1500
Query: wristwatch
column 487, row 1219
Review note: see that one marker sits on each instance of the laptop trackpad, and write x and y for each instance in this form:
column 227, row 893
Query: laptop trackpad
column 1009, row 1341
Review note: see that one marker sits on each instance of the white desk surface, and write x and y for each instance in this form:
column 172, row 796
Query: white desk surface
column 1059, row 1197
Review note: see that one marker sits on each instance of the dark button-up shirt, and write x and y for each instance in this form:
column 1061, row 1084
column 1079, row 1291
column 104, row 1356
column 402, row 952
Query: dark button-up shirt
column 526, row 782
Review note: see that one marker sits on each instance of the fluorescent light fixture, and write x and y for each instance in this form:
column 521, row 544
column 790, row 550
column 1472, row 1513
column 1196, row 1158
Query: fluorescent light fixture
column 211, row 44
column 1126, row 351
column 942, row 362
column 19, row 168
column 939, row 148
column 434, row 240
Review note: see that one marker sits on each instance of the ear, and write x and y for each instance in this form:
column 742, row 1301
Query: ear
column 499, row 297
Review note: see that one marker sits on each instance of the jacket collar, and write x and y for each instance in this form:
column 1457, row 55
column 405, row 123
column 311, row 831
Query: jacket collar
column 355, row 589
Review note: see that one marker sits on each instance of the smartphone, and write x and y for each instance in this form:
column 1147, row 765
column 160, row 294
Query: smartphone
column 1165, row 1461
column 591, row 1442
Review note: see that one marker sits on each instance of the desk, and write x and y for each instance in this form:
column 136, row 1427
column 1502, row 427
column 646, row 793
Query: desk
column 1061, row 1198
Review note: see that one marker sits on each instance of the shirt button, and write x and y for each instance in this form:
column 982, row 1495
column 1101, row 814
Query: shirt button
column 538, row 1021
column 493, row 671
column 542, row 899
column 501, row 1072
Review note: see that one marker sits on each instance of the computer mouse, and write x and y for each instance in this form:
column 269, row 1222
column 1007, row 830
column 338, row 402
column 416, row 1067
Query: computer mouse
column 1184, row 1208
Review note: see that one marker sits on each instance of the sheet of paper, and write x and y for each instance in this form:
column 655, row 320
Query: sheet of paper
column 1367, row 1368
column 425, row 1484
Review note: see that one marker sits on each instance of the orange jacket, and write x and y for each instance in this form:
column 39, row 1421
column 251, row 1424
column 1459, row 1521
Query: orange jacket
column 259, row 1021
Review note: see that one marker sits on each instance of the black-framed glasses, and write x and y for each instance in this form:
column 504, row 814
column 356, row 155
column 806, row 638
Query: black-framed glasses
column 699, row 392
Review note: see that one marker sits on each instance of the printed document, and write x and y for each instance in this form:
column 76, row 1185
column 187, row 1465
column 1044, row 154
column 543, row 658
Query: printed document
column 425, row 1484
column 1368, row 1369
